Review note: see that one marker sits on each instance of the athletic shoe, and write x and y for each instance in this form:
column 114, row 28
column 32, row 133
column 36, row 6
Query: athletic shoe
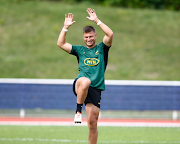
column 78, row 117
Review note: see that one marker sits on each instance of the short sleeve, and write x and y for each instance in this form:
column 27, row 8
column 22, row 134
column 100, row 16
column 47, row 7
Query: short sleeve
column 74, row 50
column 105, row 47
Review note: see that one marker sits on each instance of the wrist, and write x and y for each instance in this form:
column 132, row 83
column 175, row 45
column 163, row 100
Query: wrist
column 97, row 21
column 65, row 28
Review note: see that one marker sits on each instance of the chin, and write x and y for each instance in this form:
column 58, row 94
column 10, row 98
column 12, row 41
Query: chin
column 90, row 45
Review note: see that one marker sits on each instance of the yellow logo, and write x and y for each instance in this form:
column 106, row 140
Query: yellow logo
column 97, row 52
column 91, row 61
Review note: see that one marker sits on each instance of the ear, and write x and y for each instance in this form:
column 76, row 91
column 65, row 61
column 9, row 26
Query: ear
column 95, row 35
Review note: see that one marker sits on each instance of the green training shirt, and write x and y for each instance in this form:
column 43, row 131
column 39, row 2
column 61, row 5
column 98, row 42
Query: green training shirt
column 92, row 63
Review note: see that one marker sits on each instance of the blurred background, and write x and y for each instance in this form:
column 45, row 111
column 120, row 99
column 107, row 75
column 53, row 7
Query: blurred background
column 146, row 47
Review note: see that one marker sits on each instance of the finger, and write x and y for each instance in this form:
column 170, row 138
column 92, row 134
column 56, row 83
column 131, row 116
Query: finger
column 72, row 16
column 73, row 22
column 88, row 11
column 65, row 16
column 91, row 11
column 94, row 11
column 88, row 17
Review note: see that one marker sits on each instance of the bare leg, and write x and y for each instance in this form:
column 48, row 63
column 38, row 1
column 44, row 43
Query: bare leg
column 92, row 117
column 81, row 88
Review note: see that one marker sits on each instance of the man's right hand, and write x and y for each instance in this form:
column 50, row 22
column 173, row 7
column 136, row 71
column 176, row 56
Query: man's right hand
column 69, row 20
column 62, row 36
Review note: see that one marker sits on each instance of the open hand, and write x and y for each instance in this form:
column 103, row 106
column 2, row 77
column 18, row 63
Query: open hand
column 69, row 20
column 92, row 14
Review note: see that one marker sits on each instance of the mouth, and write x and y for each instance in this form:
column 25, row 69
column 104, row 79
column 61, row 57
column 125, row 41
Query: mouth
column 89, row 42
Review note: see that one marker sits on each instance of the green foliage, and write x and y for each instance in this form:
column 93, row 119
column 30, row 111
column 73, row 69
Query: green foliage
column 145, row 46
column 150, row 4
column 153, row 4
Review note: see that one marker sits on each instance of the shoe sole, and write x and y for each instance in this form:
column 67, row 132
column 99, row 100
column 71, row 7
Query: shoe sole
column 77, row 122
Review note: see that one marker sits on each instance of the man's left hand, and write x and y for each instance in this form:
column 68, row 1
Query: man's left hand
column 92, row 14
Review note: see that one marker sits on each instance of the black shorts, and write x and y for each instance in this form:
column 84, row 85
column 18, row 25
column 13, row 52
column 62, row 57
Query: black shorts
column 93, row 96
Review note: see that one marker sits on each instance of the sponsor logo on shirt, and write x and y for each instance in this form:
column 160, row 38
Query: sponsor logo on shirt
column 97, row 52
column 91, row 61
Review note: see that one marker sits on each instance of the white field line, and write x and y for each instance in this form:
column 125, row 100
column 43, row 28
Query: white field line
column 85, row 141
column 122, row 124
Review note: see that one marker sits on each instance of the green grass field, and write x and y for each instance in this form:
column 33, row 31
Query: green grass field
column 146, row 43
column 78, row 134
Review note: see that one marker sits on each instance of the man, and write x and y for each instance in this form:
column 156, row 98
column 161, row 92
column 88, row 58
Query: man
column 92, row 60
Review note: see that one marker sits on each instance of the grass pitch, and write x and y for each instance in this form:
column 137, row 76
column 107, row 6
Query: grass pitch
column 79, row 134
column 146, row 43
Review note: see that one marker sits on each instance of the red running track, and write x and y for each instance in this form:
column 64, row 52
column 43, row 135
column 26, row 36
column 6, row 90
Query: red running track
column 101, row 122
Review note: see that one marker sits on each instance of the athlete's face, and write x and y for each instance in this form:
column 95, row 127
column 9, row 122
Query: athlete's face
column 90, row 39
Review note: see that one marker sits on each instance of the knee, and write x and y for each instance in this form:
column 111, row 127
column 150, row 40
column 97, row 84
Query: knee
column 84, row 83
column 92, row 124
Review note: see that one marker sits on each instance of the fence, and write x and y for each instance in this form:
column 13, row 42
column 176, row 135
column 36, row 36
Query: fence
column 122, row 99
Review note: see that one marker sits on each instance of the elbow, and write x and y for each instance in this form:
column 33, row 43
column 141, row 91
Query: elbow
column 111, row 34
column 60, row 45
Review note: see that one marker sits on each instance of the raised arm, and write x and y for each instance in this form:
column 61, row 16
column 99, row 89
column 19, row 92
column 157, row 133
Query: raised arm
column 62, row 36
column 107, row 40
